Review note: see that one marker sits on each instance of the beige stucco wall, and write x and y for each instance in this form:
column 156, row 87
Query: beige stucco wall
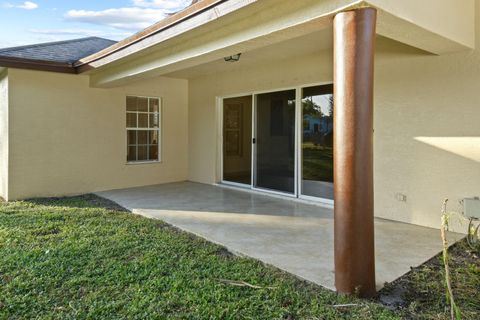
column 67, row 138
column 3, row 134
column 204, row 157
column 427, row 123
column 427, row 133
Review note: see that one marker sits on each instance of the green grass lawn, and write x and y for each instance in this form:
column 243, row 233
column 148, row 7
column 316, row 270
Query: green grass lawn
column 72, row 258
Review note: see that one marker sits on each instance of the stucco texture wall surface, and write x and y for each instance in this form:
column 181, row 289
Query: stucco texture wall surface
column 67, row 138
column 427, row 115
column 4, row 135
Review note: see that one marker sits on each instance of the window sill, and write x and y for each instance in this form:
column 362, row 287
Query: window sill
column 130, row 163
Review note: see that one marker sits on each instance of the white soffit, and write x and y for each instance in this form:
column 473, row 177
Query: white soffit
column 217, row 33
column 436, row 26
column 257, row 24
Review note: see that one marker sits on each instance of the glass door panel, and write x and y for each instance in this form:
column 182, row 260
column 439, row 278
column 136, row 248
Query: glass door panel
column 275, row 141
column 317, row 142
column 237, row 140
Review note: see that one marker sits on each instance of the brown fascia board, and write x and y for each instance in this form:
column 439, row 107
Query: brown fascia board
column 191, row 11
column 19, row 63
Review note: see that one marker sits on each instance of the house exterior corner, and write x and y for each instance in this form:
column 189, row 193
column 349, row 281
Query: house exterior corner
column 4, row 99
column 67, row 138
column 66, row 134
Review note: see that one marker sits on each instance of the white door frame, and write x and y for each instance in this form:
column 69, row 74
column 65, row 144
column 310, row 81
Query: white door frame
column 298, row 141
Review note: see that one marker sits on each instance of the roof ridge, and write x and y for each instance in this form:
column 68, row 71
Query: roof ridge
column 44, row 44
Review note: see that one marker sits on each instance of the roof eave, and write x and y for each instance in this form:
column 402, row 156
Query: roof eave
column 40, row 65
column 179, row 17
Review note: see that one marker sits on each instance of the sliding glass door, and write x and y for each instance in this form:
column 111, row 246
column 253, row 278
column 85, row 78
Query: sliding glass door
column 317, row 142
column 291, row 149
column 237, row 140
column 275, row 141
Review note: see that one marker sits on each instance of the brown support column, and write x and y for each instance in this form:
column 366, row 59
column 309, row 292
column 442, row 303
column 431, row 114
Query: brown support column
column 354, row 41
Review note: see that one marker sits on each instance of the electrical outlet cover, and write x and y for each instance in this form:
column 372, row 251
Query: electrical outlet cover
column 471, row 208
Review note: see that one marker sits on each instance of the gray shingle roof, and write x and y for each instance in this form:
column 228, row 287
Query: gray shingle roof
column 67, row 52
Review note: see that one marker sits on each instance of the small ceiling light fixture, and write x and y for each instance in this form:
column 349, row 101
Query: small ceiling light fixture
column 234, row 58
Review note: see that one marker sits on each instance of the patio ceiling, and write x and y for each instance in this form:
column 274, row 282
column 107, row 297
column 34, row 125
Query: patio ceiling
column 312, row 43
column 319, row 42
column 216, row 33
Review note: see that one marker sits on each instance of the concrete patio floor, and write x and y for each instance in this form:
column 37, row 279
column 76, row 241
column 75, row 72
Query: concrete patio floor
column 291, row 235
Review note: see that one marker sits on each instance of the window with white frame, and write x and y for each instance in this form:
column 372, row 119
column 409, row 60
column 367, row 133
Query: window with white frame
column 143, row 129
